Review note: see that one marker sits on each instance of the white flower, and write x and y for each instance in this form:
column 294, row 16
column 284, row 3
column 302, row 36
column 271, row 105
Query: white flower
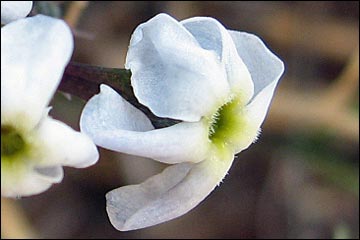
column 34, row 147
column 218, row 82
column 13, row 10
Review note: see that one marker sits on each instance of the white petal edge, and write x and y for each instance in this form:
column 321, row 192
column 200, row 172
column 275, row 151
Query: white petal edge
column 168, row 195
column 14, row 10
column 123, row 129
column 212, row 35
column 64, row 146
column 53, row 173
column 266, row 69
column 264, row 66
column 34, row 54
column 255, row 114
column 30, row 182
column 172, row 74
column 109, row 111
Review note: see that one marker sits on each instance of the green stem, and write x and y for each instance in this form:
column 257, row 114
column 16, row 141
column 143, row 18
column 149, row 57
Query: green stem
column 83, row 81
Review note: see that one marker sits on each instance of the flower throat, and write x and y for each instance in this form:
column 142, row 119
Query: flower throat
column 12, row 142
column 225, row 122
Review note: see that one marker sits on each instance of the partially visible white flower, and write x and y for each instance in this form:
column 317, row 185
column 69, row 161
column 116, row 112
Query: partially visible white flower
column 14, row 10
column 34, row 147
column 218, row 82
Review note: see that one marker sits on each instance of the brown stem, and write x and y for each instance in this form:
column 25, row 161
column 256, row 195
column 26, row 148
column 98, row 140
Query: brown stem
column 83, row 81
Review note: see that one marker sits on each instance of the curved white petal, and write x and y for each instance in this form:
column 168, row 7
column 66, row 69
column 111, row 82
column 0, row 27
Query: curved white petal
column 109, row 111
column 183, row 142
column 168, row 195
column 254, row 115
column 29, row 181
column 13, row 10
column 114, row 124
column 34, row 53
column 64, row 146
column 211, row 35
column 54, row 173
column 172, row 74
column 264, row 66
column 266, row 69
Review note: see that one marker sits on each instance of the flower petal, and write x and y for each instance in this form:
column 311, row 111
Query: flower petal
column 13, row 10
column 114, row 124
column 29, row 181
column 55, row 173
column 252, row 116
column 264, row 66
column 183, row 142
column 211, row 35
column 266, row 70
column 34, row 53
column 109, row 111
column 168, row 195
column 256, row 111
column 172, row 74
column 64, row 146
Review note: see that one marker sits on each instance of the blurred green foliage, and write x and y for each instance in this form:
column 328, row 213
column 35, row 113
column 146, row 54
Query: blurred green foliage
column 325, row 155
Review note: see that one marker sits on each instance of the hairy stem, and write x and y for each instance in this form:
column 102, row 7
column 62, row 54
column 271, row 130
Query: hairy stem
column 83, row 81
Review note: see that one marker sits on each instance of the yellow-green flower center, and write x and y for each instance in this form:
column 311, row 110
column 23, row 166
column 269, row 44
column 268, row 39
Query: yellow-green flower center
column 12, row 143
column 227, row 124
column 19, row 150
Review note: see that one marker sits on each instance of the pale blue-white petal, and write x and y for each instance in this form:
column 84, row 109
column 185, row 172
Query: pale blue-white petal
column 109, row 111
column 114, row 124
column 172, row 74
column 264, row 66
column 213, row 36
column 13, row 10
column 34, row 54
column 183, row 142
column 168, row 195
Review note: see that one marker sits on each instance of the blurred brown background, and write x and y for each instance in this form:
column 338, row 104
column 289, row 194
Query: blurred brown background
column 301, row 178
